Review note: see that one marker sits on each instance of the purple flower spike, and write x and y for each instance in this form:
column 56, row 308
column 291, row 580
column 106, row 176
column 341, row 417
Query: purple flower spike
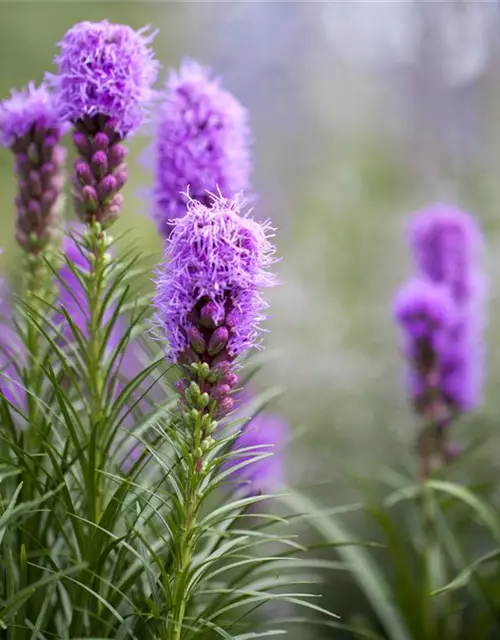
column 268, row 433
column 31, row 127
column 104, row 87
column 106, row 70
column 202, row 144
column 208, row 299
column 447, row 244
column 426, row 314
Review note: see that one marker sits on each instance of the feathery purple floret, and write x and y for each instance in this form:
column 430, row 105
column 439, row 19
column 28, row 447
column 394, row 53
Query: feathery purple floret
column 267, row 432
column 447, row 243
column 24, row 109
column 202, row 143
column 208, row 300
column 106, row 69
column 217, row 257
column 30, row 126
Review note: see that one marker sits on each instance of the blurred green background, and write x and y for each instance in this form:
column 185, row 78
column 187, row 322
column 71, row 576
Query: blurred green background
column 361, row 113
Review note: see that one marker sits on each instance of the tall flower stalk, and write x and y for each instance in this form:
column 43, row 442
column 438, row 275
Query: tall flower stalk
column 209, row 308
column 441, row 317
column 31, row 126
column 103, row 87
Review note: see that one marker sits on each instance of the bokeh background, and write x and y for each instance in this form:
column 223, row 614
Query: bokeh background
column 361, row 113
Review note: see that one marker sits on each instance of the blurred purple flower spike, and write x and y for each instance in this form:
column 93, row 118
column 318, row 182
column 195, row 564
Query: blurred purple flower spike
column 202, row 144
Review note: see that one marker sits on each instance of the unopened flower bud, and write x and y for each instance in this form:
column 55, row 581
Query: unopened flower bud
column 211, row 426
column 90, row 199
column 83, row 172
column 204, row 400
column 218, row 340
column 116, row 156
column 35, row 184
column 34, row 209
column 106, row 187
column 82, row 144
column 211, row 315
column 219, row 391
column 224, row 407
column 99, row 162
column 121, row 178
column 196, row 340
column 101, row 141
column 204, row 370
column 48, row 147
column 193, row 393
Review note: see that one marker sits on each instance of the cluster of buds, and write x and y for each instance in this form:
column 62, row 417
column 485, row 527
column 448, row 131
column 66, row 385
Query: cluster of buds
column 100, row 171
column 31, row 128
column 39, row 162
column 206, row 360
column 208, row 373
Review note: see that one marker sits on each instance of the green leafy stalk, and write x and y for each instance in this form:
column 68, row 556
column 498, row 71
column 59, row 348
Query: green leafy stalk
column 97, row 244
column 199, row 425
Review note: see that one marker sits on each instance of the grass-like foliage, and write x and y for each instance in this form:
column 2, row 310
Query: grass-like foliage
column 109, row 526
column 433, row 573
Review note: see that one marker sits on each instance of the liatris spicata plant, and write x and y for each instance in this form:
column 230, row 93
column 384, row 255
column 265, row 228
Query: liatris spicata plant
column 31, row 126
column 210, row 309
column 104, row 88
column 201, row 145
column 440, row 314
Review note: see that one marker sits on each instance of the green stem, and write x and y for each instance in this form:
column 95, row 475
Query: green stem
column 185, row 555
column 188, row 524
column 95, row 294
column 96, row 245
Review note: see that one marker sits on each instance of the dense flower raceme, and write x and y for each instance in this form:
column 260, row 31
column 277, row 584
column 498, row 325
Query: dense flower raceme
column 202, row 144
column 265, row 433
column 447, row 244
column 31, row 127
column 104, row 88
column 209, row 303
